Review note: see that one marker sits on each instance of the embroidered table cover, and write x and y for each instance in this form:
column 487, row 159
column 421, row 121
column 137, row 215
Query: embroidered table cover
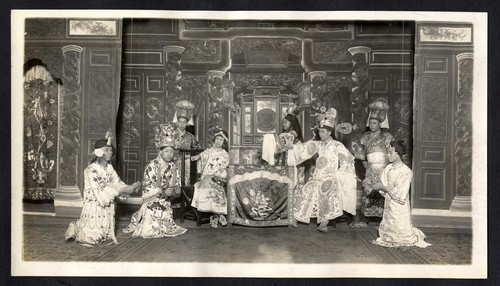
column 260, row 195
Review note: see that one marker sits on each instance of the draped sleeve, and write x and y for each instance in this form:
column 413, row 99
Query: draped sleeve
column 115, row 180
column 98, row 182
column 150, row 185
column 346, row 178
column 302, row 152
column 397, row 190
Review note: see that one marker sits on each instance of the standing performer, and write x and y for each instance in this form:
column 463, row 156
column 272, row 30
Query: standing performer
column 332, row 187
column 371, row 149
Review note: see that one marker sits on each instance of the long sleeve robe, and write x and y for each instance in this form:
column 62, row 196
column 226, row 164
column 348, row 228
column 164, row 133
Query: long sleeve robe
column 332, row 187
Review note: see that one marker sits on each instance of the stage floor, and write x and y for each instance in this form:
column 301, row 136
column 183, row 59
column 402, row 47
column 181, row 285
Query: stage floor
column 43, row 240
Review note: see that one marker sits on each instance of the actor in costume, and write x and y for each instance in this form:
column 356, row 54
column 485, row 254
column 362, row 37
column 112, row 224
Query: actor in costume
column 184, row 139
column 371, row 149
column 332, row 187
column 102, row 185
column 161, row 181
column 396, row 229
column 210, row 194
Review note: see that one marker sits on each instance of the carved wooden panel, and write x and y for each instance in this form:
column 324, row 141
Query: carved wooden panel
column 101, row 58
column 155, row 84
column 331, row 52
column 130, row 155
column 433, row 154
column 463, row 126
column 208, row 51
column 402, row 84
column 100, row 103
column 144, row 58
column 434, row 183
column 131, row 83
column 132, row 172
column 434, row 108
column 379, row 84
column 435, row 65
column 391, row 58
column 70, row 120
column 433, row 165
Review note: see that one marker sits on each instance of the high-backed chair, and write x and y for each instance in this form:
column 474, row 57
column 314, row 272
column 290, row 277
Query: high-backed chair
column 187, row 191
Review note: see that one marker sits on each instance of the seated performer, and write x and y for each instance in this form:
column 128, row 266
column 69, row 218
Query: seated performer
column 102, row 185
column 161, row 180
column 396, row 229
column 210, row 194
column 332, row 187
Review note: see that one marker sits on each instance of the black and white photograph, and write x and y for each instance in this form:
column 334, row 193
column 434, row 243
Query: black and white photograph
column 249, row 144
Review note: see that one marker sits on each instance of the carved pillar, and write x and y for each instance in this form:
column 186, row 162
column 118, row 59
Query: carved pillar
column 216, row 116
column 463, row 134
column 359, row 89
column 68, row 199
column 318, row 88
column 173, row 79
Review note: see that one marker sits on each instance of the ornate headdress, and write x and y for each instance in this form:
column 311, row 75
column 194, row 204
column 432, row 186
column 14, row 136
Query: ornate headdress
column 222, row 134
column 165, row 136
column 328, row 118
column 378, row 110
column 292, row 112
column 184, row 109
column 103, row 143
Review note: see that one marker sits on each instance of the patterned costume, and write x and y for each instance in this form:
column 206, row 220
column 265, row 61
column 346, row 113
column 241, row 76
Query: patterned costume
column 332, row 187
column 209, row 195
column 154, row 218
column 97, row 220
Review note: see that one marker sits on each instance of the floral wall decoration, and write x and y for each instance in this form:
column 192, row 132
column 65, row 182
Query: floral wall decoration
column 92, row 27
column 40, row 134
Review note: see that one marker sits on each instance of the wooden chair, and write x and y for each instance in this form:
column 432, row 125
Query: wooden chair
column 187, row 191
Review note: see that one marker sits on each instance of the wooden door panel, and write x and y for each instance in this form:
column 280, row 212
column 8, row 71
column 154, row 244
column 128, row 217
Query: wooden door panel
column 433, row 139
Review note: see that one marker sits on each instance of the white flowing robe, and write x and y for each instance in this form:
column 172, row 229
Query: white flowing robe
column 332, row 188
column 396, row 228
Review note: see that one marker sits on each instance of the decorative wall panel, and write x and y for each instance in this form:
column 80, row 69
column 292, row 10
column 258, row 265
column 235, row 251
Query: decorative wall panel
column 101, row 58
column 132, row 83
column 463, row 126
column 437, row 65
column 289, row 46
column 459, row 34
column 434, row 108
column 433, row 181
column 38, row 28
column 202, row 51
column 70, row 118
column 143, row 58
column 100, row 113
column 332, row 52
